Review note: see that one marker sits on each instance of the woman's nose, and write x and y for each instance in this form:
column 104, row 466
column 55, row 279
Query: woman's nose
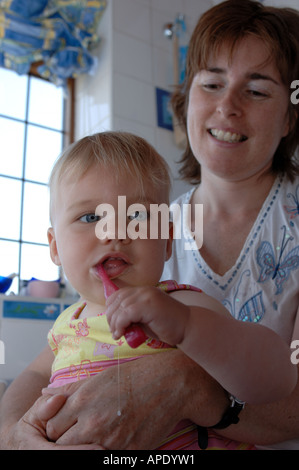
column 229, row 104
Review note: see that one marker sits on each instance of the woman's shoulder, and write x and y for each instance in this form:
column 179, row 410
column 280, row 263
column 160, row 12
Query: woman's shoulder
column 288, row 183
column 184, row 198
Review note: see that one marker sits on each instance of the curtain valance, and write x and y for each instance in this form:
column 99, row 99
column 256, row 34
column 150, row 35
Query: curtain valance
column 60, row 33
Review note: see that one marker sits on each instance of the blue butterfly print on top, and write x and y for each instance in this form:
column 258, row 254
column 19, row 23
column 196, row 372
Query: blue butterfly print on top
column 279, row 270
column 293, row 210
column 252, row 310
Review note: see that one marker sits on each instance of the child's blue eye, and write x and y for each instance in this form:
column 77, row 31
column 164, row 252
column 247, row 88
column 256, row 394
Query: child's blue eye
column 138, row 215
column 90, row 218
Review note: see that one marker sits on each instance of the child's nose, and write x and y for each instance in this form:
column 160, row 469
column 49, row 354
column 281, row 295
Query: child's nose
column 112, row 234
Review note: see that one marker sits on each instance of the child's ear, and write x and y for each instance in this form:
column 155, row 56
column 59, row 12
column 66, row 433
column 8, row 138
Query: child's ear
column 53, row 247
column 169, row 242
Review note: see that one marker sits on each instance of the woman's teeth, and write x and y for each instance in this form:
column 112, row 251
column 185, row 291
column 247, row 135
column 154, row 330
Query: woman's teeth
column 225, row 136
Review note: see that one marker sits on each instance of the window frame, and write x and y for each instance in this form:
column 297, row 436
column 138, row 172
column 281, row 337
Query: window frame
column 68, row 133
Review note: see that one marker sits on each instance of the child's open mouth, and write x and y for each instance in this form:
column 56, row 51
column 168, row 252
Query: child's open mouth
column 114, row 265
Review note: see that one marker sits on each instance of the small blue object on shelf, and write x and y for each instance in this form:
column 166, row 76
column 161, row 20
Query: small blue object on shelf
column 5, row 283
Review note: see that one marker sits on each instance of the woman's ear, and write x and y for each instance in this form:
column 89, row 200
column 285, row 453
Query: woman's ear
column 53, row 247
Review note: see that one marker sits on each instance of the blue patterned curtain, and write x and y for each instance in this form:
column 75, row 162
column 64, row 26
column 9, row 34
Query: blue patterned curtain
column 60, row 33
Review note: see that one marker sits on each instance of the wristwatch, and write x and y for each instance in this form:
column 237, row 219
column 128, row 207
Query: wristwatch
column 231, row 416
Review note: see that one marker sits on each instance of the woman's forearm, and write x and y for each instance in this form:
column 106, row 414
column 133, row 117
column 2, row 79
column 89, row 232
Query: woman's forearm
column 204, row 401
column 25, row 389
column 259, row 424
column 267, row 424
column 154, row 393
column 19, row 397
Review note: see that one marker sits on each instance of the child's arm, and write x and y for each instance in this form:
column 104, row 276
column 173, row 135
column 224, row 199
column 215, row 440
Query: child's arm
column 249, row 360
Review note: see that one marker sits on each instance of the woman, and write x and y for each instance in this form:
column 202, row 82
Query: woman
column 243, row 131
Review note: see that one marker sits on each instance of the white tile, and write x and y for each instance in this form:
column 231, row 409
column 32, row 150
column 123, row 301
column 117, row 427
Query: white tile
column 133, row 99
column 283, row 3
column 172, row 154
column 193, row 9
column 159, row 19
column 170, row 6
column 132, row 17
column 93, row 102
column 146, row 2
column 163, row 67
column 132, row 57
column 166, row 146
column 104, row 125
column 147, row 132
column 273, row 3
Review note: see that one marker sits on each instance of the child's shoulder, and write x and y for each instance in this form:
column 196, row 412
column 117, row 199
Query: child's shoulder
column 171, row 286
column 191, row 295
column 72, row 312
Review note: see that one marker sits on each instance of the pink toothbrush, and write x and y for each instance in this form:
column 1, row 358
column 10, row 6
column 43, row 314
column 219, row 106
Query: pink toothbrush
column 134, row 334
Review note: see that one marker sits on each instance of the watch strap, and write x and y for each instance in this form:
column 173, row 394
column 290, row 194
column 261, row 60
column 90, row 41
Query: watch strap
column 231, row 416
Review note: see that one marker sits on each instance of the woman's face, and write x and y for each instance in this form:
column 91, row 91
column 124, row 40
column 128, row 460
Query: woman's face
column 238, row 112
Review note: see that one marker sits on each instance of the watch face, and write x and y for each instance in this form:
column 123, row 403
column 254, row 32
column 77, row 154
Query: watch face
column 236, row 402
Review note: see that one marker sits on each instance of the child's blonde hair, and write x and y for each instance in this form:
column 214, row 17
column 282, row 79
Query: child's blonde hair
column 125, row 153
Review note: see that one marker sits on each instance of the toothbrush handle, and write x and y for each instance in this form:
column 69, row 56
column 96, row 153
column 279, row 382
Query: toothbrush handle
column 135, row 336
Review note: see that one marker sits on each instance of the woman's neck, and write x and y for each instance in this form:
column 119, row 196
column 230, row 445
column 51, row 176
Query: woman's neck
column 229, row 212
column 229, row 198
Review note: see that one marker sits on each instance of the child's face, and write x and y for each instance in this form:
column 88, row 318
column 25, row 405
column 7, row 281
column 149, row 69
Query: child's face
column 75, row 246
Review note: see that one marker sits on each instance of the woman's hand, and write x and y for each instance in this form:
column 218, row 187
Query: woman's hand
column 153, row 394
column 29, row 432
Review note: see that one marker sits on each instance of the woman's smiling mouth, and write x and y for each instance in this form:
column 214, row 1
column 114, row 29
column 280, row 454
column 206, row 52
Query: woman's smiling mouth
column 227, row 136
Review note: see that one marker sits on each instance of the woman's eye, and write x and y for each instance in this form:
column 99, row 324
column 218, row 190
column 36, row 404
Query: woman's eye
column 140, row 216
column 211, row 86
column 257, row 94
column 90, row 218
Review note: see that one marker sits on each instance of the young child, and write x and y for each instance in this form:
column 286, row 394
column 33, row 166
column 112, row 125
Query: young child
column 122, row 172
column 94, row 172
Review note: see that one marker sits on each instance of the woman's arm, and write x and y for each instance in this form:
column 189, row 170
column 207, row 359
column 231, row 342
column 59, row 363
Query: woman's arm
column 26, row 388
column 24, row 416
column 272, row 423
column 19, row 397
column 267, row 424
column 165, row 388
column 156, row 392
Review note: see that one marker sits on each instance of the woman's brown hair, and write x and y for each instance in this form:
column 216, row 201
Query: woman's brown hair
column 227, row 24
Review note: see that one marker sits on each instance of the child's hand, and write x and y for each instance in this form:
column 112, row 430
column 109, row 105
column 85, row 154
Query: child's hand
column 159, row 314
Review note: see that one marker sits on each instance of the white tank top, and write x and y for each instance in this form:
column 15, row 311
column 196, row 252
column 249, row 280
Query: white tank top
column 263, row 285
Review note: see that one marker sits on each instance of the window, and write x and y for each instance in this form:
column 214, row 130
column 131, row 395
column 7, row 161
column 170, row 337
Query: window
column 32, row 129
